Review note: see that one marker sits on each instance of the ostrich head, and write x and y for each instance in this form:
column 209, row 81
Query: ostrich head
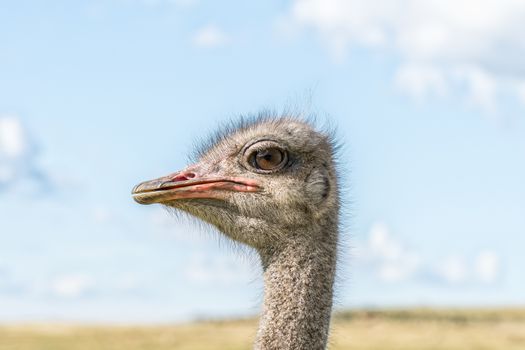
column 271, row 184
column 257, row 182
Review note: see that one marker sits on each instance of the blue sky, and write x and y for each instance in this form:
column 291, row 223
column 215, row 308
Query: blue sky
column 98, row 95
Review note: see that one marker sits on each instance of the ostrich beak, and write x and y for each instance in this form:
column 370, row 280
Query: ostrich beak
column 188, row 184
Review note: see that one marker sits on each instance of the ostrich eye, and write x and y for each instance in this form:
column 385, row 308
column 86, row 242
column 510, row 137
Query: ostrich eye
column 265, row 156
column 268, row 159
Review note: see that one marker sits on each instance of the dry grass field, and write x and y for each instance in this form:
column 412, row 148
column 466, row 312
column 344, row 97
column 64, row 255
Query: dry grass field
column 364, row 330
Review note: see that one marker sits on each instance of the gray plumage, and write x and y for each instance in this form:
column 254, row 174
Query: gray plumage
column 277, row 193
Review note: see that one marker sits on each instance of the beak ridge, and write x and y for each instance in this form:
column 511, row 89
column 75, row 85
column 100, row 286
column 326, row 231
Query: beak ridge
column 188, row 184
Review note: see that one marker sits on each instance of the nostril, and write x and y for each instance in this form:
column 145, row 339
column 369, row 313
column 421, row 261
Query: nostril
column 183, row 177
column 179, row 178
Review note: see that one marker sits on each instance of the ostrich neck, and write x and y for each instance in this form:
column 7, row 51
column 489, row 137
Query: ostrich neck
column 297, row 303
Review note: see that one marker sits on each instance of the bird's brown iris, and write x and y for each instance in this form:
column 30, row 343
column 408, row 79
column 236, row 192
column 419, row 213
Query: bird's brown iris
column 269, row 159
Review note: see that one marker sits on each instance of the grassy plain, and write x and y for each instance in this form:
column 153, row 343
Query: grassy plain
column 421, row 329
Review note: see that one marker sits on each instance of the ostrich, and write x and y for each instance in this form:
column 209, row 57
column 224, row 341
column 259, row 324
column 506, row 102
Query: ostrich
column 270, row 183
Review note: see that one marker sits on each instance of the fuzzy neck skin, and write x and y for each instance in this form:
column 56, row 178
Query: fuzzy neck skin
column 297, row 305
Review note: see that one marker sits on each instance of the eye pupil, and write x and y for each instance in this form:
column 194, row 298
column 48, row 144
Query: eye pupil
column 269, row 159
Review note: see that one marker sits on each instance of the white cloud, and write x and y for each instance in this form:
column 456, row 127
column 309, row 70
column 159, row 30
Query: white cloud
column 391, row 260
column 17, row 155
column 487, row 266
column 484, row 268
column 72, row 286
column 442, row 44
column 14, row 148
column 13, row 139
column 210, row 36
